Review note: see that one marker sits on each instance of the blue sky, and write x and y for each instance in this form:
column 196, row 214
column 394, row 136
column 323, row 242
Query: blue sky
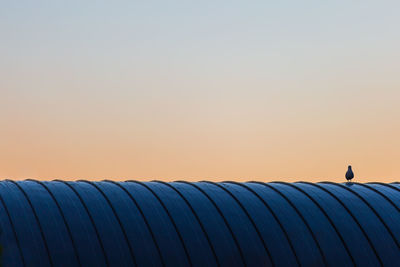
column 219, row 89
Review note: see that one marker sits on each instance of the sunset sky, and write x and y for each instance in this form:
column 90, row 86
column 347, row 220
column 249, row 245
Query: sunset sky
column 200, row 90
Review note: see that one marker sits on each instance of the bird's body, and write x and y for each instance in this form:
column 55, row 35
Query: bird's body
column 349, row 174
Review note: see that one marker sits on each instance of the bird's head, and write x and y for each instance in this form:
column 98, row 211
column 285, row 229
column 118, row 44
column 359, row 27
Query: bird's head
column 349, row 167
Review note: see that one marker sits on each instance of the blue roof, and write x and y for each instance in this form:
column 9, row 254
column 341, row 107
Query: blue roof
column 135, row 223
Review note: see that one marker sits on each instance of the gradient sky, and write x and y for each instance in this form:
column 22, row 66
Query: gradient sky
column 195, row 90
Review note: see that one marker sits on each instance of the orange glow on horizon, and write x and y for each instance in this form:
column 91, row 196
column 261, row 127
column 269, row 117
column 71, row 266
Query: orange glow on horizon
column 200, row 91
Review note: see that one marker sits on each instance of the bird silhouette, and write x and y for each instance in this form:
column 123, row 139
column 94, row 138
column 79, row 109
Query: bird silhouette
column 349, row 174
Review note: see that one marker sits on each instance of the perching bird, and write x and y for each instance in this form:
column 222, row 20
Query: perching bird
column 349, row 174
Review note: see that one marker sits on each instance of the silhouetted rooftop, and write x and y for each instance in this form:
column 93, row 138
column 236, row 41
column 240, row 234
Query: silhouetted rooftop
column 135, row 223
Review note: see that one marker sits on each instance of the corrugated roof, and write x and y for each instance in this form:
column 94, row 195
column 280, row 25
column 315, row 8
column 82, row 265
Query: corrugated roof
column 134, row 223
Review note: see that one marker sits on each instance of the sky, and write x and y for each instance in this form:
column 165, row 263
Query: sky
column 200, row 90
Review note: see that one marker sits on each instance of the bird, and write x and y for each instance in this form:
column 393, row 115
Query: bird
column 349, row 174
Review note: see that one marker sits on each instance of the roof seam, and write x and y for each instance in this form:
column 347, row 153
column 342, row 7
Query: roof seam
column 37, row 221
column 351, row 215
column 373, row 210
column 326, row 215
column 222, row 216
column 273, row 215
column 196, row 216
column 62, row 216
column 143, row 217
column 90, row 218
column 13, row 229
column 249, row 217
column 116, row 216
column 170, row 217
column 301, row 217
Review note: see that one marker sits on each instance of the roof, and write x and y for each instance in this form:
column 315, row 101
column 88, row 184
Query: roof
column 107, row 223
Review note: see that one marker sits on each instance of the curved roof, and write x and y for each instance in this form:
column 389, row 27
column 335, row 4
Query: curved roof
column 134, row 223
